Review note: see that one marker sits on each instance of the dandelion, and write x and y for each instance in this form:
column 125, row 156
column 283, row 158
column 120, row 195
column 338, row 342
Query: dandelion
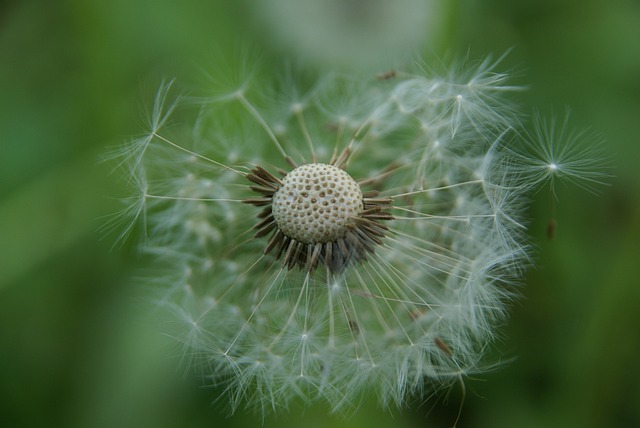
column 348, row 236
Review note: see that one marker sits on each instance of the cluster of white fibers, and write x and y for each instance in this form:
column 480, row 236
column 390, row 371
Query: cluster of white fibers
column 403, row 299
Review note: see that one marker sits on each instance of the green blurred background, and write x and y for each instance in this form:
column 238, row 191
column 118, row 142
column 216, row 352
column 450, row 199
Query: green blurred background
column 76, row 346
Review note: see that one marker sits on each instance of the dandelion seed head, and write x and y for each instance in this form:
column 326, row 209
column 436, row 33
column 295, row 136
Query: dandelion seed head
column 367, row 240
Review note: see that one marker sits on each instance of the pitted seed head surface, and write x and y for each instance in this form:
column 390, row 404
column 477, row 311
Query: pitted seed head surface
column 314, row 203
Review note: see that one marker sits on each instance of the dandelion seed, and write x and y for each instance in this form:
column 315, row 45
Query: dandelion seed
column 366, row 246
column 554, row 152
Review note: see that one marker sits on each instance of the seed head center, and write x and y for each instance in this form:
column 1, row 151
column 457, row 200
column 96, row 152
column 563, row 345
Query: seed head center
column 314, row 203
